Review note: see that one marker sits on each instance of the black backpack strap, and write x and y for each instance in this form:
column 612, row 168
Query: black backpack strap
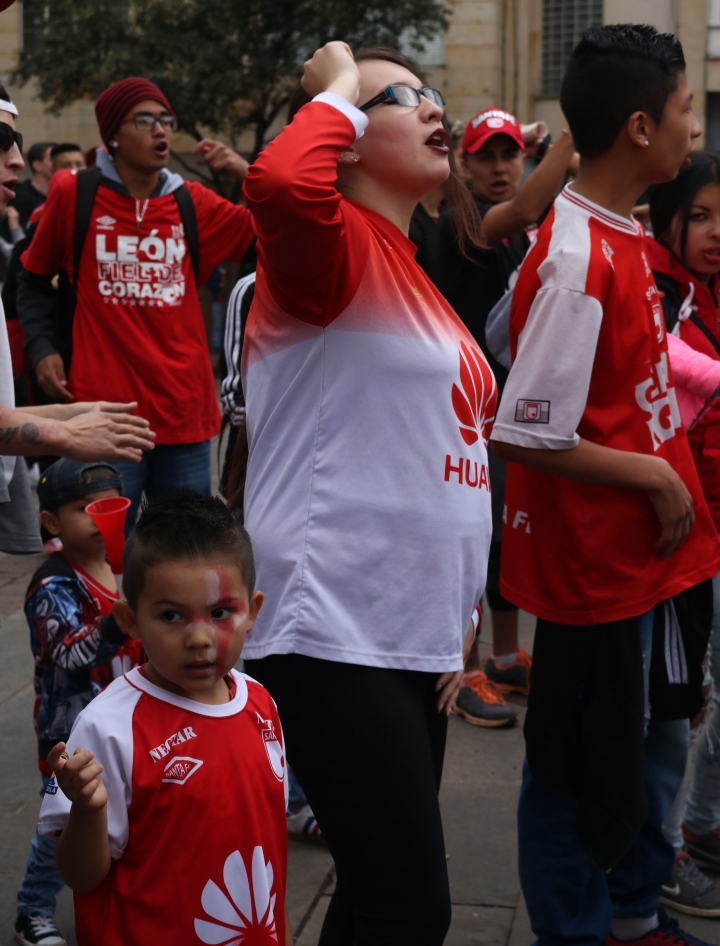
column 670, row 300
column 190, row 226
column 87, row 185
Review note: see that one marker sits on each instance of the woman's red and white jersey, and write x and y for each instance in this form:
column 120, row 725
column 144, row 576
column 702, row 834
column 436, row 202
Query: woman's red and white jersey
column 590, row 360
column 368, row 409
column 138, row 329
column 196, row 816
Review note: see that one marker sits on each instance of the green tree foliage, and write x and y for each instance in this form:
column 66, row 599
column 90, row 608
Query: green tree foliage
column 226, row 65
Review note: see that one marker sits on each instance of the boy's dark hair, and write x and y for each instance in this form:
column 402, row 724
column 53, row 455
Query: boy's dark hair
column 678, row 195
column 64, row 148
column 615, row 71
column 37, row 151
column 186, row 526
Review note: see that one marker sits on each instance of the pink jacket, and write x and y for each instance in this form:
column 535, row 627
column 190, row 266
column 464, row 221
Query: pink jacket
column 697, row 380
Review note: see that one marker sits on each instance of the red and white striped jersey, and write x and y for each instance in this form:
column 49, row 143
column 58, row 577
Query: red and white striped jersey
column 590, row 360
column 368, row 408
column 196, row 816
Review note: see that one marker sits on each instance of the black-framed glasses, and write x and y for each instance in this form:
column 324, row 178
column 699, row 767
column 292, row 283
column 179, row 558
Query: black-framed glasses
column 9, row 137
column 145, row 121
column 404, row 95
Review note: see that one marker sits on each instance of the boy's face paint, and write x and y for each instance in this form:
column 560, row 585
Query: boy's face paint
column 192, row 617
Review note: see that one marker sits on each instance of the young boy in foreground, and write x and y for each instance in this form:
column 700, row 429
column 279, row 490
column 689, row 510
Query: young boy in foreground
column 170, row 799
column 605, row 517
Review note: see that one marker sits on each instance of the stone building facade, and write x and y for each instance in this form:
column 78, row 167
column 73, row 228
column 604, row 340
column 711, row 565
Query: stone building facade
column 507, row 53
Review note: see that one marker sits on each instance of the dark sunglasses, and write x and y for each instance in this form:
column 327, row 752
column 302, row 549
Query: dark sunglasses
column 404, row 95
column 9, row 137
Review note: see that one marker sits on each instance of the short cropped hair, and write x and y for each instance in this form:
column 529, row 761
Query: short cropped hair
column 185, row 526
column 64, row 148
column 614, row 71
column 37, row 151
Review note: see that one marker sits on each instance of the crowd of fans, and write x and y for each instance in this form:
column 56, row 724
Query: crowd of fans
column 409, row 290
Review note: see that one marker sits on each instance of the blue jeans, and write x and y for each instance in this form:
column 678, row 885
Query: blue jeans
column 42, row 882
column 296, row 796
column 570, row 899
column 702, row 808
column 165, row 470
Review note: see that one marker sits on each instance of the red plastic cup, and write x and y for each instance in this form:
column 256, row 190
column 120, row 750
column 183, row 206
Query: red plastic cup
column 109, row 516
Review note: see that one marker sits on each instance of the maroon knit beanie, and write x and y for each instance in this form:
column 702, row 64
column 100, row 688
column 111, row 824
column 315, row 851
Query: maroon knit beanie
column 117, row 100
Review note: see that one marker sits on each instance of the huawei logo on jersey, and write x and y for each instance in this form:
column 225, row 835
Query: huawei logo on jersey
column 468, row 401
column 245, row 911
column 273, row 747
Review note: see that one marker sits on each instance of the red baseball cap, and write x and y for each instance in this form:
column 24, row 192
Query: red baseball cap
column 487, row 124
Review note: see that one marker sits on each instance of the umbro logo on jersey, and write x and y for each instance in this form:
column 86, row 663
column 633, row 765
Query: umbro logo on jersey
column 179, row 769
column 468, row 401
column 532, row 412
column 159, row 752
column 106, row 223
column 273, row 747
column 245, row 908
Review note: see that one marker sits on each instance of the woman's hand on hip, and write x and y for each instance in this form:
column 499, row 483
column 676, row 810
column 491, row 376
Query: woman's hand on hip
column 448, row 684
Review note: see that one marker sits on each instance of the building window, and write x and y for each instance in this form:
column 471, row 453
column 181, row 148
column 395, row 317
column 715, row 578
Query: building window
column 34, row 20
column 432, row 52
column 712, row 121
column 564, row 22
column 713, row 36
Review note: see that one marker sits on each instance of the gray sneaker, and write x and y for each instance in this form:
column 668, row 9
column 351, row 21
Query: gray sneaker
column 691, row 891
column 480, row 703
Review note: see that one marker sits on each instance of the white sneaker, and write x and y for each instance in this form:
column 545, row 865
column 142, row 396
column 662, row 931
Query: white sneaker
column 37, row 931
column 303, row 825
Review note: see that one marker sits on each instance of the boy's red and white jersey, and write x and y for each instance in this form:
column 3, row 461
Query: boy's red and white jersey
column 196, row 816
column 368, row 409
column 590, row 360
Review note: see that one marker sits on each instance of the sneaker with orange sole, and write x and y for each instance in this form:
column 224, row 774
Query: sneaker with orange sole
column 480, row 703
column 512, row 679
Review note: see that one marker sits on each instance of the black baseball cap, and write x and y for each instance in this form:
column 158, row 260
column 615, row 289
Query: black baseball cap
column 67, row 480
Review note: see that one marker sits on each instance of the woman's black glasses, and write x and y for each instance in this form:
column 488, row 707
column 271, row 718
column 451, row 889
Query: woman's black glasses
column 404, row 95
column 9, row 137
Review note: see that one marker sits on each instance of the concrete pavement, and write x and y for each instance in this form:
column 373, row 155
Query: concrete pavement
column 478, row 798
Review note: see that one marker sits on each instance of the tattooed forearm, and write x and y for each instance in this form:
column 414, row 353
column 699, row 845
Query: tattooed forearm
column 7, row 434
column 30, row 433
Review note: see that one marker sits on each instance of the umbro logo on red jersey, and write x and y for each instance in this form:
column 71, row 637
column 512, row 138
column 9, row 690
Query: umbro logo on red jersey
column 106, row 223
column 159, row 752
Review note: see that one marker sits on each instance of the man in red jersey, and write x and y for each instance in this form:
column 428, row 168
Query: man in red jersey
column 150, row 241
column 604, row 517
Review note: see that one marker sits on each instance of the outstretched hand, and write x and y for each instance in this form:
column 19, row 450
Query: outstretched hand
column 332, row 69
column 221, row 157
column 79, row 777
column 105, row 434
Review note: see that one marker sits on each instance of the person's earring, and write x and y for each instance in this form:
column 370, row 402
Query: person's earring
column 646, row 142
column 114, row 144
column 355, row 157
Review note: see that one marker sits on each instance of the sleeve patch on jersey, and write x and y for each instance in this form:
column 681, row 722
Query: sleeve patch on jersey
column 532, row 412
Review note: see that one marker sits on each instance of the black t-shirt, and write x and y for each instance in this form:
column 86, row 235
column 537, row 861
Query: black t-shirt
column 27, row 198
column 473, row 287
column 425, row 234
